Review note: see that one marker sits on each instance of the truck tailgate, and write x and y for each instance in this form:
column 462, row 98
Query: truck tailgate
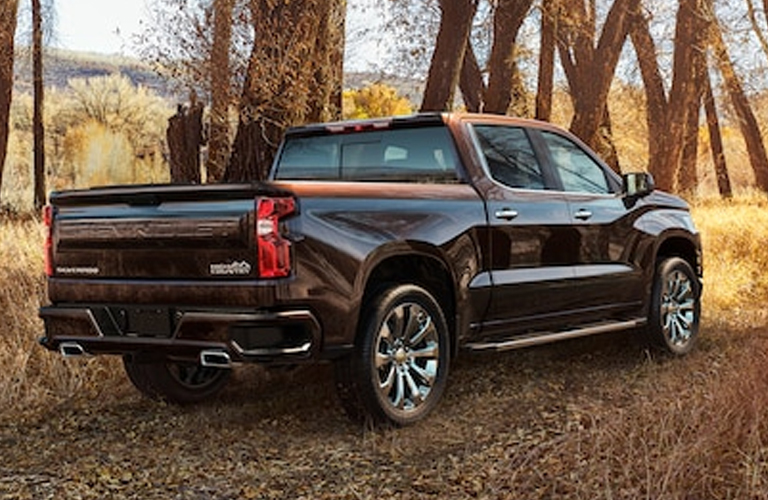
column 159, row 233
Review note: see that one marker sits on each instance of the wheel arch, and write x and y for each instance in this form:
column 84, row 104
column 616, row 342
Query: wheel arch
column 423, row 267
column 682, row 246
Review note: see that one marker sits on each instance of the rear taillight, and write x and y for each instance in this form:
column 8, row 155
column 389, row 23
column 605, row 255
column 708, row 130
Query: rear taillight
column 48, row 212
column 274, row 249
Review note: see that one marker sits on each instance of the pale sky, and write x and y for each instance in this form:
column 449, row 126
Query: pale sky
column 108, row 26
column 103, row 26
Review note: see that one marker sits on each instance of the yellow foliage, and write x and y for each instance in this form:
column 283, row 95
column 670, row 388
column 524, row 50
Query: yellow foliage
column 374, row 101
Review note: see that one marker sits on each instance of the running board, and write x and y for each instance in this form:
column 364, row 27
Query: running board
column 546, row 338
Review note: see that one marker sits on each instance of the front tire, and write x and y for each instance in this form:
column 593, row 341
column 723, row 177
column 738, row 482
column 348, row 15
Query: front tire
column 399, row 368
column 673, row 322
column 175, row 382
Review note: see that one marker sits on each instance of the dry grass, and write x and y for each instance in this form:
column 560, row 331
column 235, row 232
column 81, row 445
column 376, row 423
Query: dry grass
column 593, row 418
column 31, row 378
column 735, row 239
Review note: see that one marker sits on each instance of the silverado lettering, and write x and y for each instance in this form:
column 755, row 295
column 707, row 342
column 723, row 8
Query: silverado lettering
column 385, row 246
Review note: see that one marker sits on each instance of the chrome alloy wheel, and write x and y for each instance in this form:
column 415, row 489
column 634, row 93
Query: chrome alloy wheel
column 407, row 357
column 678, row 308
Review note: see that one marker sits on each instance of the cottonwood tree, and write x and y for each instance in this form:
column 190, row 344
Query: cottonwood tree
column 669, row 113
column 282, row 66
column 757, row 23
column 8, row 16
column 716, row 141
column 448, row 55
column 204, row 46
column 287, row 82
column 746, row 116
column 220, row 89
column 455, row 61
column 505, row 87
column 589, row 62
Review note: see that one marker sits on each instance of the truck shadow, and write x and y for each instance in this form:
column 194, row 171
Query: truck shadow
column 564, row 370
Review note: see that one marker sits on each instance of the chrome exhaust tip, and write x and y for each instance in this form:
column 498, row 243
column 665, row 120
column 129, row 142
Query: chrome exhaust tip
column 71, row 349
column 215, row 359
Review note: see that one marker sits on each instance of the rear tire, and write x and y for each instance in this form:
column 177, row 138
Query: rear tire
column 399, row 368
column 673, row 322
column 175, row 382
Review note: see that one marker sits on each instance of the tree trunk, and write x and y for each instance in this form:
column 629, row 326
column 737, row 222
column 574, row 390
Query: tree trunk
column 589, row 68
column 605, row 145
column 8, row 11
column 656, row 98
column 184, row 136
column 326, row 100
column 503, row 76
column 668, row 117
column 445, row 68
column 546, row 60
column 716, row 141
column 747, row 121
column 687, row 177
column 38, row 127
column 294, row 75
column 471, row 82
column 218, row 128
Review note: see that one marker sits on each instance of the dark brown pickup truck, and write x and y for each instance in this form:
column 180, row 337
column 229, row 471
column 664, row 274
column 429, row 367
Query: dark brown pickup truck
column 386, row 246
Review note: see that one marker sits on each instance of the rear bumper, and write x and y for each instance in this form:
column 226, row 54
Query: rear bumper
column 182, row 333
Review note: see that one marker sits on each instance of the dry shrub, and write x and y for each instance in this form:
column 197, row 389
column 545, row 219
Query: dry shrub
column 33, row 377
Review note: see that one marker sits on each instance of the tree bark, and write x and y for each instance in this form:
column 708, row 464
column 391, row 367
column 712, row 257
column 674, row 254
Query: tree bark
column 747, row 121
column 184, row 136
column 716, row 141
column 445, row 68
column 504, row 82
column 669, row 116
column 590, row 68
column 547, row 60
column 8, row 12
column 605, row 145
column 688, row 177
column 294, row 76
column 471, row 82
column 218, row 128
column 326, row 100
column 38, row 127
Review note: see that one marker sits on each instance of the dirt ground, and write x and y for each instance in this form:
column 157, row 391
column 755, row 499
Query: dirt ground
column 512, row 425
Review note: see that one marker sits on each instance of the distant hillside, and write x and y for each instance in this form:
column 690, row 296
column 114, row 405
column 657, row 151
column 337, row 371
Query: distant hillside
column 60, row 66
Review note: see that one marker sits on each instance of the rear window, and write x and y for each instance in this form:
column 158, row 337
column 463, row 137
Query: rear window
column 422, row 154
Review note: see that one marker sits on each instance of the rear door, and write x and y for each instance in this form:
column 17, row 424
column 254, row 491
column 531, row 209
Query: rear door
column 532, row 245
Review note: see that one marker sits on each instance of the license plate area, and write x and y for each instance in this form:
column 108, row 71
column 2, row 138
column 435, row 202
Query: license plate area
column 143, row 321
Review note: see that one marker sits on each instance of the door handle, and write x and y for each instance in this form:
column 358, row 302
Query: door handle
column 583, row 214
column 506, row 214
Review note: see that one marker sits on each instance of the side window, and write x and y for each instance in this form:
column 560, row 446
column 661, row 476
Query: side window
column 509, row 156
column 577, row 170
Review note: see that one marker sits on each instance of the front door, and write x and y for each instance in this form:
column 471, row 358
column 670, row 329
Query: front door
column 609, row 283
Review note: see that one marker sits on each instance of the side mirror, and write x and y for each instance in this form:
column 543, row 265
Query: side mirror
column 638, row 184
